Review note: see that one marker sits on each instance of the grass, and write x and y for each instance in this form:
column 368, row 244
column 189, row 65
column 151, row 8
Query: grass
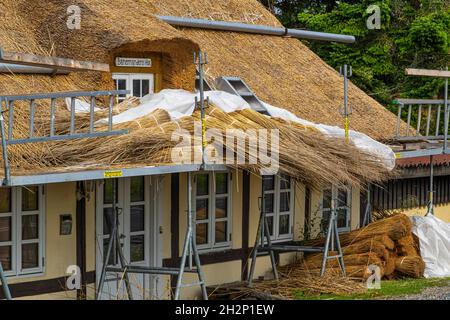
column 389, row 288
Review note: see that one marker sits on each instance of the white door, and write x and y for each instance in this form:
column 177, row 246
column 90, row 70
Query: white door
column 139, row 84
column 136, row 224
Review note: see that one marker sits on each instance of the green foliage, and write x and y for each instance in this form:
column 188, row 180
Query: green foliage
column 414, row 33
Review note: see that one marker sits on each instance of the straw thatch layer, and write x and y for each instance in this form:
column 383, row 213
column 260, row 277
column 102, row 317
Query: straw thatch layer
column 304, row 153
column 282, row 71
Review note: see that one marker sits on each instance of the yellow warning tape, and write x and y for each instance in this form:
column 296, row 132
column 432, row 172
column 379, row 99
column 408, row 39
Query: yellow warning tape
column 112, row 174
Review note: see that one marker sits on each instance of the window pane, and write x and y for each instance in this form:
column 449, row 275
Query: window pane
column 30, row 227
column 270, row 223
column 107, row 220
column 5, row 200
column 5, row 229
column 121, row 84
column 30, row 198
column 112, row 257
column 327, row 198
column 221, row 231
column 285, row 201
column 269, row 203
column 202, row 209
column 268, row 183
column 221, row 207
column 108, row 191
column 221, row 183
column 137, row 189
column 284, row 224
column 325, row 221
column 342, row 218
column 202, row 184
column 5, row 257
column 30, row 255
column 285, row 182
column 137, row 252
column 202, row 233
column 145, row 87
column 342, row 198
column 137, row 218
column 137, row 88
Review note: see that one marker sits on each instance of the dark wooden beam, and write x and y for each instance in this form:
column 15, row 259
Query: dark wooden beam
column 81, row 238
column 175, row 220
column 245, row 223
column 54, row 63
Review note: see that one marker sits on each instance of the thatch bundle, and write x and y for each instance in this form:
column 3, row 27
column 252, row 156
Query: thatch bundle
column 292, row 281
column 387, row 243
column 412, row 266
column 304, row 153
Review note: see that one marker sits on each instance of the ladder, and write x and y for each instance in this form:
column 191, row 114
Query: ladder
column 189, row 255
column 7, row 107
column 237, row 86
column 263, row 244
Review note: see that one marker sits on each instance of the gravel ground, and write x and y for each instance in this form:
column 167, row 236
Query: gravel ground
column 433, row 293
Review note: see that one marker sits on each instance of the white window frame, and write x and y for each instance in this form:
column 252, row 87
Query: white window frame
column 129, row 77
column 124, row 201
column 276, row 236
column 16, row 242
column 211, row 221
column 334, row 197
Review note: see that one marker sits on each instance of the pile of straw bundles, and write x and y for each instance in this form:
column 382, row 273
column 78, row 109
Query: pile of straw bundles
column 388, row 244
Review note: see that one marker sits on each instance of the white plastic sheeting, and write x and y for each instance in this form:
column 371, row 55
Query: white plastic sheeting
column 180, row 103
column 80, row 106
column 361, row 141
column 434, row 239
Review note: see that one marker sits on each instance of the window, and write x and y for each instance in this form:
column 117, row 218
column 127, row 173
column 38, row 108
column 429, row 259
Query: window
column 278, row 206
column 342, row 200
column 21, row 230
column 139, row 84
column 212, row 206
column 132, row 205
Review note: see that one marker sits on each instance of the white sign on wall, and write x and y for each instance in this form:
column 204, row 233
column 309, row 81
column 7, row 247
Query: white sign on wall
column 134, row 62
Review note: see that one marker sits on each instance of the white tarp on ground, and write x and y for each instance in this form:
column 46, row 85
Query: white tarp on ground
column 180, row 103
column 434, row 239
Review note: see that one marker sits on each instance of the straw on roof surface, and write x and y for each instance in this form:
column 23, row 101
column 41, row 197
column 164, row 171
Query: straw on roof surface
column 282, row 71
column 304, row 153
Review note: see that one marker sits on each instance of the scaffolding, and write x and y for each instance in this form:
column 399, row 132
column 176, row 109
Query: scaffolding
column 264, row 245
column 190, row 253
column 433, row 142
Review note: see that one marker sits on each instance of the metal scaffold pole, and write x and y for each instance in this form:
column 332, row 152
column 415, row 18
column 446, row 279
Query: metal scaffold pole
column 346, row 111
column 264, row 245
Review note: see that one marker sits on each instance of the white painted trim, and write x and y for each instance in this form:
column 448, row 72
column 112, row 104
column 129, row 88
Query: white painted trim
column 16, row 234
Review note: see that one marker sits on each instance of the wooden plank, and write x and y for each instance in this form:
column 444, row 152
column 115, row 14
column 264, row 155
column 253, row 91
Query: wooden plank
column 56, row 63
column 427, row 73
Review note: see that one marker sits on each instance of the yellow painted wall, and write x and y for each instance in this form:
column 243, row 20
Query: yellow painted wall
column 218, row 273
column 60, row 251
column 440, row 211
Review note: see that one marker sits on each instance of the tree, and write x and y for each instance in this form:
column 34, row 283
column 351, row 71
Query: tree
column 413, row 33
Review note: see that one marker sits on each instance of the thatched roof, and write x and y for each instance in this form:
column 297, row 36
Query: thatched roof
column 281, row 71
